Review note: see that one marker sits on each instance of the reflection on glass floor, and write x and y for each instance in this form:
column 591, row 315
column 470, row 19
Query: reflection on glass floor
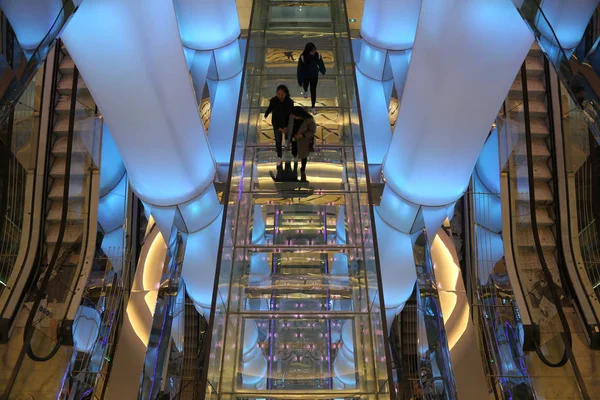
column 296, row 312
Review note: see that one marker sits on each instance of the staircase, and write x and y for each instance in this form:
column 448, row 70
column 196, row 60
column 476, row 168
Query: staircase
column 59, row 289
column 529, row 263
column 550, row 383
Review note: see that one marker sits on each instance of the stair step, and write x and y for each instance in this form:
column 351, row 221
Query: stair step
column 541, row 213
column 61, row 125
column 59, row 149
column 82, row 106
column 65, row 85
column 543, row 194
column 78, row 168
column 525, row 237
column 541, row 173
column 73, row 233
column 535, row 49
column 537, row 108
column 535, row 65
column 529, row 260
column 67, row 65
column 539, row 150
column 76, row 187
column 535, row 88
column 74, row 213
column 538, row 127
column 71, row 260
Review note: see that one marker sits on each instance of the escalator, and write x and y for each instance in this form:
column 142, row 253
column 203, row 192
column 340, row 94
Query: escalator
column 296, row 299
column 552, row 312
column 47, row 287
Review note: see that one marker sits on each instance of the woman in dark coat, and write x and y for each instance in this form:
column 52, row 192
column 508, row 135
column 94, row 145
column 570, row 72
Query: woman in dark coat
column 281, row 107
column 309, row 66
column 303, row 128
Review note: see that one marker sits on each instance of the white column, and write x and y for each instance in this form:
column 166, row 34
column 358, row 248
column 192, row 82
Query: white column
column 465, row 57
column 134, row 67
column 568, row 20
column 217, row 61
column 388, row 32
column 31, row 20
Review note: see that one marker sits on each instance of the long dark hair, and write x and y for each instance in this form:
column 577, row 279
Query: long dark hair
column 308, row 48
column 301, row 112
column 284, row 88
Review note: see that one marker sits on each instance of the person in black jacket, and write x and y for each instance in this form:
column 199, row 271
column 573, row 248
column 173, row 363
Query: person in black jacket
column 281, row 106
column 310, row 64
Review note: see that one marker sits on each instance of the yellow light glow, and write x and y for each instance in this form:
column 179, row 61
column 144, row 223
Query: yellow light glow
column 453, row 298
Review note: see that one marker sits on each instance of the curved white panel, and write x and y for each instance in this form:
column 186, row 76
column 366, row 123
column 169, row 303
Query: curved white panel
column 494, row 246
column 399, row 63
column 372, row 61
column 464, row 60
column 375, row 120
column 396, row 211
column 86, row 327
column 111, row 167
column 199, row 64
column 344, row 366
column 397, row 264
column 488, row 209
column 31, row 19
column 567, row 18
column 112, row 243
column 111, row 208
column 488, row 165
column 223, row 118
column 390, row 24
column 134, row 65
column 201, row 211
column 207, row 24
column 228, row 60
column 200, row 261
column 460, row 331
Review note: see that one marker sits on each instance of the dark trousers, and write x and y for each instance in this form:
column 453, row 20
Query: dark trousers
column 313, row 88
column 295, row 154
column 278, row 141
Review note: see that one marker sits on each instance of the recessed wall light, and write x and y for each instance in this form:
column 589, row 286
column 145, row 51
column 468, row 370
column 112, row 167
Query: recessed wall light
column 352, row 20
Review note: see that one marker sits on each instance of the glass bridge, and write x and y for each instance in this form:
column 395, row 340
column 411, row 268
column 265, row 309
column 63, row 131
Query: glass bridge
column 297, row 308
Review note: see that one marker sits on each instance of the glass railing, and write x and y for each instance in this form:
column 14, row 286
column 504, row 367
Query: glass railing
column 169, row 307
column 59, row 287
column 532, row 249
column 435, row 368
column 495, row 310
column 28, row 64
column 297, row 309
column 19, row 136
column 581, row 166
column 86, row 373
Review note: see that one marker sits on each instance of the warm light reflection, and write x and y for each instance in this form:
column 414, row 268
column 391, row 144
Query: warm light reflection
column 140, row 312
column 453, row 298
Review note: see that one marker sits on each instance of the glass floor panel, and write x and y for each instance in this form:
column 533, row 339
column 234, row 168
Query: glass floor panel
column 327, row 170
column 329, row 126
